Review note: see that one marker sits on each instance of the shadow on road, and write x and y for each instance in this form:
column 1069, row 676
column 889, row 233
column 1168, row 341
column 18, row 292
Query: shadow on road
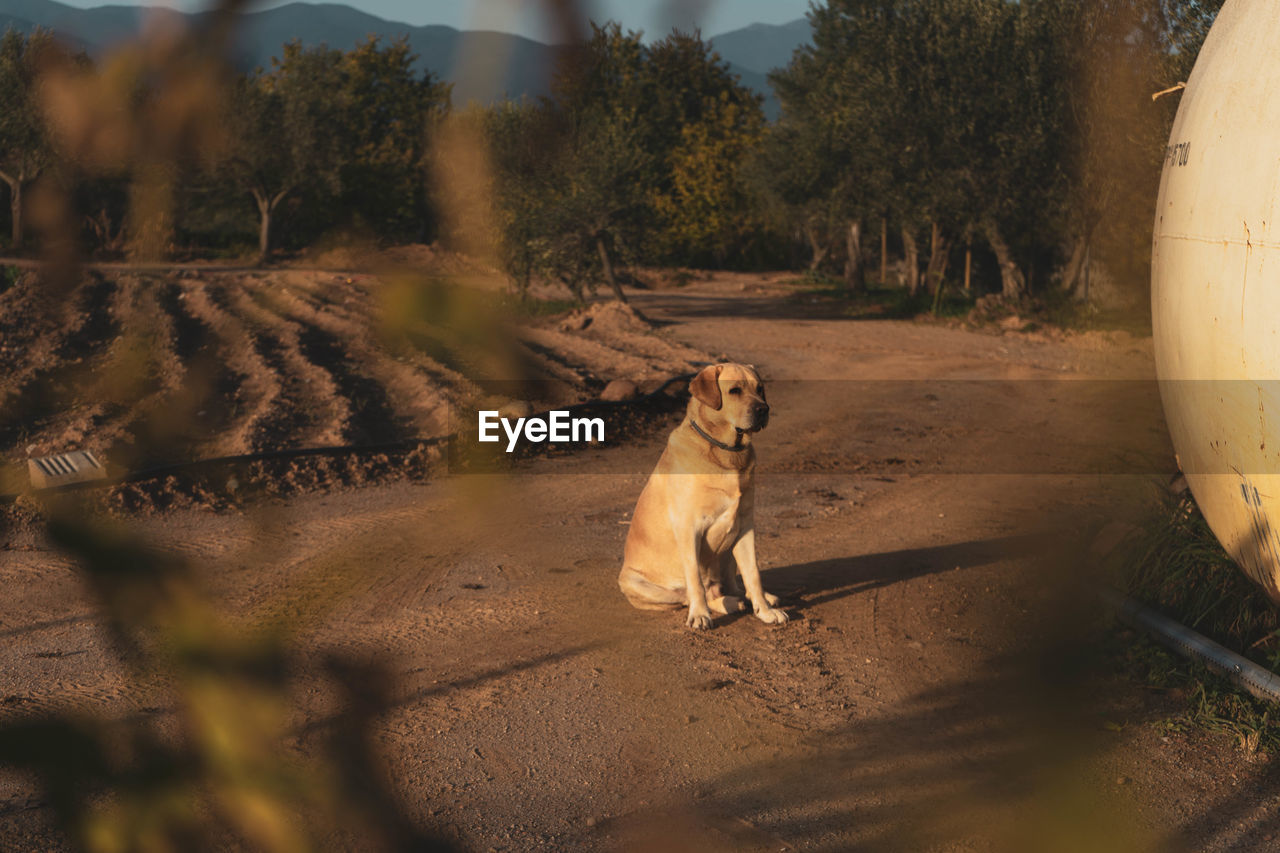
column 821, row 581
column 997, row 762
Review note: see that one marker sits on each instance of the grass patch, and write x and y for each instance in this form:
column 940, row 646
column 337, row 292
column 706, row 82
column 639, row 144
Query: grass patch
column 876, row 302
column 9, row 277
column 1179, row 568
column 1059, row 308
column 527, row 306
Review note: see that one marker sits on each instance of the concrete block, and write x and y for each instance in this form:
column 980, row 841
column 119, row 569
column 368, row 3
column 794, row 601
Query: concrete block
column 77, row 466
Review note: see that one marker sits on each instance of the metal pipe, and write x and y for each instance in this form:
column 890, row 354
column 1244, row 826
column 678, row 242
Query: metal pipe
column 1239, row 670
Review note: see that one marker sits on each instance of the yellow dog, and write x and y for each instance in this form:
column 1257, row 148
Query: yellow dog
column 697, row 507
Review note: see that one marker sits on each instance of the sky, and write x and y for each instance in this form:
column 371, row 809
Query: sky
column 654, row 17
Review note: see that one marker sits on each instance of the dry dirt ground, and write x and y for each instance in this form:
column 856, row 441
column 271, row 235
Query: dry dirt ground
column 927, row 495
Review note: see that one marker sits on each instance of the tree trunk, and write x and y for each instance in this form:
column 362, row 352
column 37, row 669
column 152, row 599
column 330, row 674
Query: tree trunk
column 884, row 251
column 264, row 234
column 937, row 268
column 1013, row 285
column 853, row 259
column 1088, row 267
column 15, row 206
column 818, row 253
column 266, row 207
column 1075, row 276
column 912, row 261
column 968, row 269
column 15, row 209
column 264, row 225
column 608, row 270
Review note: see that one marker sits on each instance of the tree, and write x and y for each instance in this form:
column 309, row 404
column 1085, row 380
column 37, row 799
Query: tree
column 570, row 197
column 834, row 158
column 390, row 112
column 25, row 150
column 285, row 131
column 1113, row 54
column 702, row 125
column 931, row 113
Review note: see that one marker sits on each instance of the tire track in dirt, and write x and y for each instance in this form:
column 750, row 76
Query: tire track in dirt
column 88, row 693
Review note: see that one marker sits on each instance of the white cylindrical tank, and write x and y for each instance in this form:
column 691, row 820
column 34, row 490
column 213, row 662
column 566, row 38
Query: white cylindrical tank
column 1215, row 285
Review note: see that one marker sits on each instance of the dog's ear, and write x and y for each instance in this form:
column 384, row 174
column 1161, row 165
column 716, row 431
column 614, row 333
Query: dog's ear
column 705, row 387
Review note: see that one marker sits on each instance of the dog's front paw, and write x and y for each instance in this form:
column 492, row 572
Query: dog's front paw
column 772, row 616
column 698, row 621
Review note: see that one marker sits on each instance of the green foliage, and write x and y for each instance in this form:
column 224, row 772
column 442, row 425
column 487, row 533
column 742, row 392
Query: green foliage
column 390, row 114
column 25, row 148
column 346, row 131
column 707, row 213
column 1027, row 124
column 877, row 303
column 637, row 156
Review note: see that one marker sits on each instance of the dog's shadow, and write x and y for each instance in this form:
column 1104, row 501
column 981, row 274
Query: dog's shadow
column 801, row 586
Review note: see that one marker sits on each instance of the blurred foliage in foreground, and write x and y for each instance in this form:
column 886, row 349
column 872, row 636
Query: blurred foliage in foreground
column 203, row 764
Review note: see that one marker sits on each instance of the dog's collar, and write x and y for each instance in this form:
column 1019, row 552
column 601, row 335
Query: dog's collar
column 715, row 442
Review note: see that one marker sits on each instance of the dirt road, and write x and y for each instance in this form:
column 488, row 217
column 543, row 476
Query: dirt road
column 926, row 500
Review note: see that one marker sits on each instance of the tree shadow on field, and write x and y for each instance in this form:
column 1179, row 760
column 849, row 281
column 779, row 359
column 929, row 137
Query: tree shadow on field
column 1014, row 759
column 821, row 581
column 998, row 762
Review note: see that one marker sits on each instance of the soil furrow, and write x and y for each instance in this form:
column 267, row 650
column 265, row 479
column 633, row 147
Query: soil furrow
column 19, row 326
column 551, row 364
column 448, row 373
column 372, row 418
column 49, row 391
column 154, row 370
column 620, row 363
column 417, row 404
column 312, row 410
column 211, row 400
column 260, row 388
column 105, row 396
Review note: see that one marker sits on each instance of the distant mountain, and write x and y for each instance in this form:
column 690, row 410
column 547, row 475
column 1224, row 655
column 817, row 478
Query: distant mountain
column 495, row 65
column 753, row 51
column 8, row 22
column 758, row 47
column 513, row 66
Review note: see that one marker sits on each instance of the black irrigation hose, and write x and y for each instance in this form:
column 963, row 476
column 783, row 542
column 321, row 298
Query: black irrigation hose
column 305, row 452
